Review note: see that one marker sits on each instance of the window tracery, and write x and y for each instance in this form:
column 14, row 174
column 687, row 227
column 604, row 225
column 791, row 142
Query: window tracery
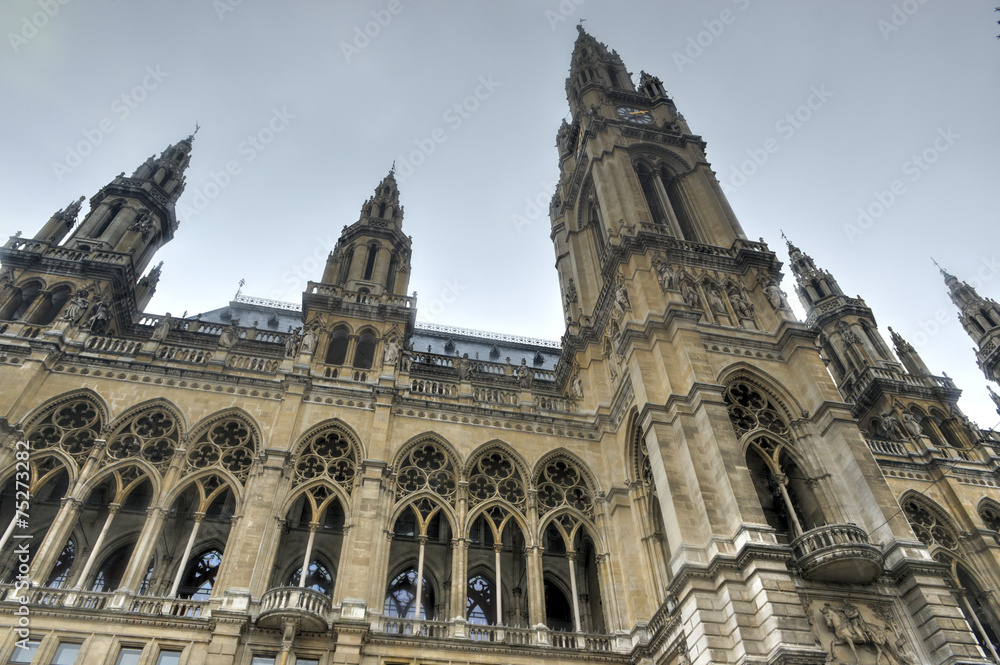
column 152, row 436
column 496, row 475
column 749, row 410
column 427, row 466
column 990, row 514
column 330, row 455
column 228, row 444
column 929, row 527
column 71, row 427
column 561, row 484
column 401, row 596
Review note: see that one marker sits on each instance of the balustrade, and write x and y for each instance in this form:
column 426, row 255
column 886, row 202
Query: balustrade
column 183, row 355
column 116, row 345
column 254, row 364
column 886, row 447
column 308, row 605
column 837, row 553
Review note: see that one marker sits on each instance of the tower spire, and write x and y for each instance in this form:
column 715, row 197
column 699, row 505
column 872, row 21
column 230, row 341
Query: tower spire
column 981, row 319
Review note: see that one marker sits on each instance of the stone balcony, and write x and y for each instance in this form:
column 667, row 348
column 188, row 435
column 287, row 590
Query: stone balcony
column 308, row 606
column 501, row 635
column 837, row 553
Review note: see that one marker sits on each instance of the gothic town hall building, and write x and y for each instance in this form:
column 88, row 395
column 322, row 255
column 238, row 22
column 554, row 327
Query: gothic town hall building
column 691, row 476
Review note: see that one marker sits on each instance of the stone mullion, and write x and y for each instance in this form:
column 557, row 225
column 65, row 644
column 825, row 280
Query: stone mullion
column 192, row 538
column 260, row 580
column 143, row 550
column 156, row 515
column 55, row 540
column 609, row 594
column 535, row 582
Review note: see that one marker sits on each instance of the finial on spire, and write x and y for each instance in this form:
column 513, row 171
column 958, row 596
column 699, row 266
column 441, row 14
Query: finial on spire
column 392, row 171
column 242, row 283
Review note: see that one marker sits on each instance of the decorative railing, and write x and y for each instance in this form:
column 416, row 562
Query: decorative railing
column 416, row 627
column 183, row 355
column 871, row 374
column 495, row 634
column 174, row 607
column 112, row 602
column 361, row 298
column 295, row 598
column 543, row 403
column 254, row 364
column 494, row 396
column 886, row 447
column 837, row 553
column 438, row 388
column 116, row 345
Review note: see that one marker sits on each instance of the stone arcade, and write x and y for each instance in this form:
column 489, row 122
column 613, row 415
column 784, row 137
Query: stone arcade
column 691, row 476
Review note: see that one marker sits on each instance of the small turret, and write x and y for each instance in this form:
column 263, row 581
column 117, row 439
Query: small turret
column 908, row 355
column 60, row 223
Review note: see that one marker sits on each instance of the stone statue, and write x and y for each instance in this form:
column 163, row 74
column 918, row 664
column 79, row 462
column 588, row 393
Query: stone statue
column 77, row 306
column 464, row 368
column 666, row 276
column 850, row 627
column 391, row 354
column 577, row 386
column 571, row 295
column 292, row 341
column 715, row 302
column 775, row 295
column 309, row 340
column 743, row 307
column 524, row 375
column 98, row 321
column 891, row 429
column 911, row 425
column 230, row 335
column 162, row 328
column 621, row 298
column 690, row 296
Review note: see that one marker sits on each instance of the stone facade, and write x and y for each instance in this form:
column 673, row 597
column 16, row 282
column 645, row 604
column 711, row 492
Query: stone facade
column 691, row 476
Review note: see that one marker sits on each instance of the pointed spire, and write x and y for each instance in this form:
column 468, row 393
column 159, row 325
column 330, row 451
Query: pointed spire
column 994, row 397
column 69, row 214
column 167, row 170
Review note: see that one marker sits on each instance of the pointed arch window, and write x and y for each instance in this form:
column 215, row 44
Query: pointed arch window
column 558, row 612
column 60, row 571
column 365, row 353
column 57, row 300
column 200, row 577
column 109, row 575
column 318, row 578
column 336, row 350
column 401, row 595
column 29, row 292
column 479, row 605
column 370, row 262
column 113, row 211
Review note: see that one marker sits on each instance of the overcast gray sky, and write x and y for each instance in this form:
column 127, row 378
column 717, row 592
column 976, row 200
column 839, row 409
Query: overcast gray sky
column 811, row 110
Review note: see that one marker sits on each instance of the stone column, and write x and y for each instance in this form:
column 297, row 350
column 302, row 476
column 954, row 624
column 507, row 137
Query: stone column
column 198, row 519
column 55, row 540
column 113, row 510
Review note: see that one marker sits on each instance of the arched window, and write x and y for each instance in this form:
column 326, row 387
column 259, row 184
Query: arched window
column 336, row 350
column 980, row 619
column 345, row 266
column 370, row 262
column 401, row 595
column 109, row 575
column 558, row 613
column 390, row 281
column 60, row 571
column 318, row 578
column 28, row 294
column 200, row 577
column 56, row 302
column 365, row 353
column 116, row 208
column 479, row 606
column 648, row 184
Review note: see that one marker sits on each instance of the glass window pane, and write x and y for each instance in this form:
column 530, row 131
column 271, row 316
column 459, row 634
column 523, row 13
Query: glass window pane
column 169, row 658
column 66, row 654
column 306, row 661
column 262, row 660
column 24, row 651
column 129, row 656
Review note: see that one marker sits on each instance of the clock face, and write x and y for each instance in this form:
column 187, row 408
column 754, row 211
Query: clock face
column 632, row 114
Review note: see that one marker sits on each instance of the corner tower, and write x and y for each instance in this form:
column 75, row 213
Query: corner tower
column 981, row 319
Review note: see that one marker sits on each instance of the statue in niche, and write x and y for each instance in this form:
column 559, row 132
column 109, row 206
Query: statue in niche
column 621, row 298
column 775, row 295
column 577, row 386
column 99, row 320
column 162, row 328
column 743, row 307
column 309, row 339
column 911, row 424
column 690, row 296
column 890, row 427
column 142, row 224
column 292, row 341
column 391, row 354
column 715, row 302
column 230, row 335
column 524, row 375
column 464, row 368
column 571, row 295
column 665, row 275
column 77, row 306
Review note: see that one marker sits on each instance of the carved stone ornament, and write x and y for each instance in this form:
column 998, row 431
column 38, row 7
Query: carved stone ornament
column 859, row 633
